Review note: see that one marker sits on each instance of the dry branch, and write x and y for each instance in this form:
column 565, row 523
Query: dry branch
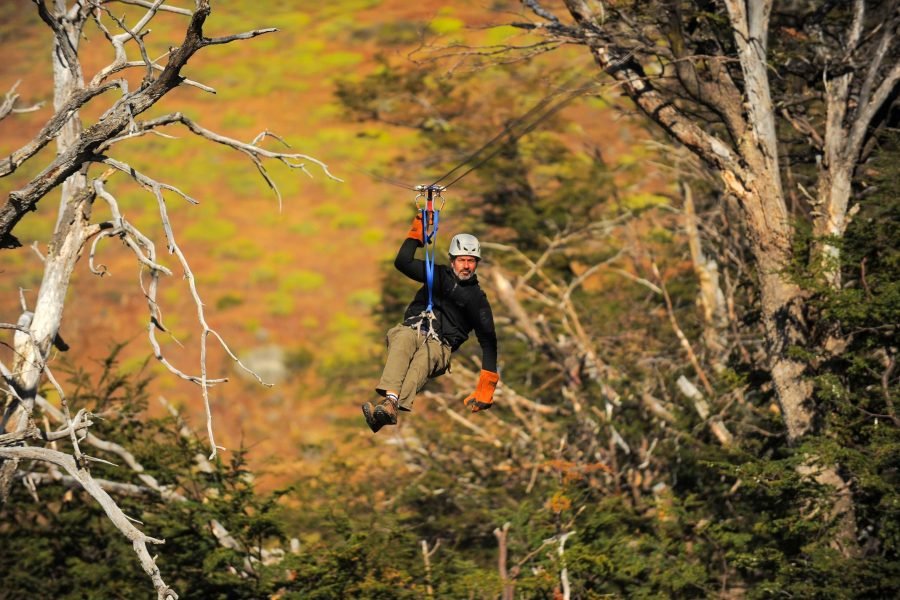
column 113, row 122
column 119, row 519
column 77, row 150
column 502, row 535
column 427, row 553
column 8, row 106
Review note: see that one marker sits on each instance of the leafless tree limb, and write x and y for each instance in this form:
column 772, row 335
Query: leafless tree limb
column 502, row 535
column 252, row 150
column 53, row 127
column 138, row 539
column 78, row 149
column 427, row 553
column 116, row 120
column 161, row 7
column 203, row 380
column 8, row 106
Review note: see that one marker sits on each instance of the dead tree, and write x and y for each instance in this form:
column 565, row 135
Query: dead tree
column 705, row 76
column 82, row 170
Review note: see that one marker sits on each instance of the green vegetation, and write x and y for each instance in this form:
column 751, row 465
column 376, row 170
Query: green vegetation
column 301, row 281
column 238, row 249
column 279, row 304
column 228, row 301
column 39, row 538
column 365, row 298
column 372, row 236
column 304, row 228
column 350, row 220
column 391, row 33
column 263, row 274
column 605, row 453
column 642, row 201
column 445, row 24
column 210, row 230
column 299, row 359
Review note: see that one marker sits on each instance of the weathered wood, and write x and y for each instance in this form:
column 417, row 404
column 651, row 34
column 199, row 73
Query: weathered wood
column 113, row 122
column 119, row 519
column 78, row 147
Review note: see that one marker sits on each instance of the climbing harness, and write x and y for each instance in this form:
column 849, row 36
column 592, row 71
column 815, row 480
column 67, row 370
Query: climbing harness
column 430, row 222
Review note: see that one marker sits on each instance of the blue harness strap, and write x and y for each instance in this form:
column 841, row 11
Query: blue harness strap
column 428, row 240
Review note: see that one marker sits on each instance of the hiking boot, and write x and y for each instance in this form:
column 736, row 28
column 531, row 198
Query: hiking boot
column 368, row 410
column 386, row 412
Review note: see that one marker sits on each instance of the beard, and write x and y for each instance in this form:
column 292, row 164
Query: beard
column 464, row 274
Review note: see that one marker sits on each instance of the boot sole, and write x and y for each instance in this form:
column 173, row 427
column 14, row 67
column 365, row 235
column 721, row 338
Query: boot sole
column 371, row 420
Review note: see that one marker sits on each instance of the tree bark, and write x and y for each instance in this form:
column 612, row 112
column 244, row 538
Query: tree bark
column 748, row 165
column 69, row 236
column 750, row 172
column 710, row 297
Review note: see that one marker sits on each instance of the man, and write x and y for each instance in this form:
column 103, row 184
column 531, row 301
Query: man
column 420, row 347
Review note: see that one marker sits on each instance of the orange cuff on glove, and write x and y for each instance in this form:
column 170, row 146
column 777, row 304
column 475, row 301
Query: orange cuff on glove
column 483, row 397
column 415, row 230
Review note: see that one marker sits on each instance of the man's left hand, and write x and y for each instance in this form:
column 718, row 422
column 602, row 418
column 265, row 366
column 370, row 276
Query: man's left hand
column 483, row 396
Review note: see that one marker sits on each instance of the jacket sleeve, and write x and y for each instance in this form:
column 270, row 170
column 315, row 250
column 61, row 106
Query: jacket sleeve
column 407, row 263
column 486, row 334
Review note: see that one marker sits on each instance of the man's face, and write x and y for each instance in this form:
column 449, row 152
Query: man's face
column 464, row 266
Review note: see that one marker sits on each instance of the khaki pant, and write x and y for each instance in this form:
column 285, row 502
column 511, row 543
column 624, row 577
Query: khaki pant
column 412, row 359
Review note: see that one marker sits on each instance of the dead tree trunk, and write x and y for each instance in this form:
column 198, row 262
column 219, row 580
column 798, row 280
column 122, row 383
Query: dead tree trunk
column 742, row 146
column 710, row 297
column 749, row 171
column 32, row 351
column 78, row 149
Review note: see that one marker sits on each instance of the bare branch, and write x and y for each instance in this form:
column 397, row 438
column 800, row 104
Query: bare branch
column 8, row 105
column 138, row 539
column 564, row 572
column 113, row 487
column 714, row 423
column 53, row 127
column 867, row 112
column 252, row 150
column 202, row 380
column 427, row 553
column 506, row 578
column 875, row 60
column 240, row 36
column 682, row 338
column 63, row 43
column 540, row 11
column 161, row 7
column 133, row 34
column 116, row 120
column 468, row 424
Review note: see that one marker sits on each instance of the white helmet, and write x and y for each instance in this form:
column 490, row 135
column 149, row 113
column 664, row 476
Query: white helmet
column 464, row 244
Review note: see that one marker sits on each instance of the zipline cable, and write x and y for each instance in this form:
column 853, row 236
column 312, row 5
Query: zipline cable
column 387, row 180
column 509, row 129
column 531, row 127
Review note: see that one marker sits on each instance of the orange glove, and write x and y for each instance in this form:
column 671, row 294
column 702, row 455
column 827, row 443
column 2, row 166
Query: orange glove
column 483, row 397
column 415, row 230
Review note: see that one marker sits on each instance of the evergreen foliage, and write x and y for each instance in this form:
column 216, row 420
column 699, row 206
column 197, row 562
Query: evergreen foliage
column 66, row 547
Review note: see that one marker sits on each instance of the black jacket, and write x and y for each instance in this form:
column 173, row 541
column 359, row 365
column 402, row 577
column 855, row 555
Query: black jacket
column 460, row 306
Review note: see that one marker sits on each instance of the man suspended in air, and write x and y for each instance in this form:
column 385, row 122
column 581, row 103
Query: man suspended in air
column 449, row 305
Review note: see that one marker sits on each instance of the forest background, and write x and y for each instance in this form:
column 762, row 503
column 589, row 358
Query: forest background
column 636, row 449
